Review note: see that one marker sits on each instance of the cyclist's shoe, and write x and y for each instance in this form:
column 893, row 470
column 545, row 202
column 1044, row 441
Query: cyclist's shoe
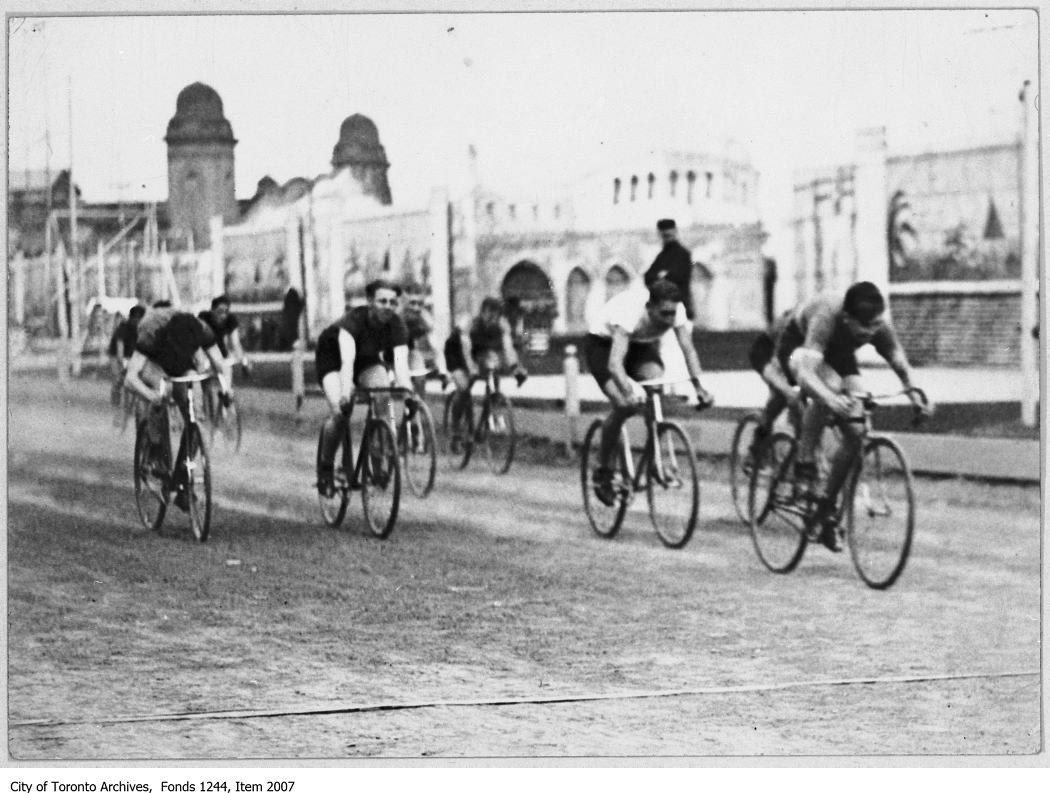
column 603, row 486
column 182, row 499
column 326, row 482
column 829, row 533
column 760, row 436
column 805, row 475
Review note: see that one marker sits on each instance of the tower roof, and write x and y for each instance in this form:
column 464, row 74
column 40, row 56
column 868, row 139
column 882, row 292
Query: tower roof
column 358, row 143
column 198, row 117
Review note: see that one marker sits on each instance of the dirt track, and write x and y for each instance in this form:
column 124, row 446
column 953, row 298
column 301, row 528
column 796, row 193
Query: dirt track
column 493, row 589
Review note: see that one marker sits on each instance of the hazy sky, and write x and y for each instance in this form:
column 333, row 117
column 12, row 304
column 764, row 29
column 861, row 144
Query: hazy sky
column 543, row 97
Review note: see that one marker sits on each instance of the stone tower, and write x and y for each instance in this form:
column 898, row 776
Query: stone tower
column 359, row 149
column 200, row 164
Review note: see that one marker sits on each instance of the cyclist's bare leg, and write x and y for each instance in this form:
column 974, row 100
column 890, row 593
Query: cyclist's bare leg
column 622, row 409
column 335, row 424
column 851, row 437
column 816, row 416
column 461, row 401
column 180, row 394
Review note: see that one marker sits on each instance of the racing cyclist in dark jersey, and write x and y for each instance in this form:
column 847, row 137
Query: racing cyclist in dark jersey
column 485, row 345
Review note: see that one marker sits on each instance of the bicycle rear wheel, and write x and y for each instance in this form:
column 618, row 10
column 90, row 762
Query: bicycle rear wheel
column 881, row 513
column 605, row 519
column 333, row 506
column 416, row 444
column 740, row 462
column 198, row 483
column 777, row 519
column 672, row 486
column 380, row 478
column 151, row 482
column 500, row 437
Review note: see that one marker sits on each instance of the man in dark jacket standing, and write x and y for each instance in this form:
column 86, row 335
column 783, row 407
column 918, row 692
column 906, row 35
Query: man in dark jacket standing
column 674, row 263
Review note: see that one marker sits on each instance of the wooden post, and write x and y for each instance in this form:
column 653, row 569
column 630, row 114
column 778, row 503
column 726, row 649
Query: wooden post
column 572, row 395
column 1030, row 254
column 298, row 379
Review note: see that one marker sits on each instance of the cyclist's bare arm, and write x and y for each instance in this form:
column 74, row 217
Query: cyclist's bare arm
column 236, row 348
column 510, row 355
column 401, row 370
column 221, row 366
column 133, row 379
column 347, row 354
column 889, row 347
column 468, row 352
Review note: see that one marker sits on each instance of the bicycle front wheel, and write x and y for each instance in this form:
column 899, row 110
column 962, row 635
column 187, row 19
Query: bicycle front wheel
column 672, row 486
column 416, row 444
column 881, row 513
column 198, row 483
column 151, row 481
column 458, row 456
column 380, row 478
column 605, row 519
column 500, row 436
column 333, row 503
column 740, row 462
column 776, row 517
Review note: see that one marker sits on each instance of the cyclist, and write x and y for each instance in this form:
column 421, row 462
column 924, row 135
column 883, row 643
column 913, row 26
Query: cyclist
column 783, row 392
column 421, row 349
column 121, row 347
column 817, row 348
column 623, row 347
column 172, row 343
column 355, row 351
column 485, row 345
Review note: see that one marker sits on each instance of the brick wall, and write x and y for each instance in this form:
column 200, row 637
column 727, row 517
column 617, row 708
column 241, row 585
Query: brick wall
column 958, row 329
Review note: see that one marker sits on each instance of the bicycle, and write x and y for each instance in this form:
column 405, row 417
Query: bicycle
column 876, row 502
column 494, row 429
column 376, row 472
column 665, row 470
column 417, row 443
column 155, row 478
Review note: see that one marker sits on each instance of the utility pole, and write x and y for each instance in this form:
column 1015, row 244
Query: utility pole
column 1030, row 254
column 74, row 279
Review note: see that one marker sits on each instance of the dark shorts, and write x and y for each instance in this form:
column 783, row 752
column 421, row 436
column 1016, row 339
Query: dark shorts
column 327, row 357
column 596, row 354
column 454, row 358
column 761, row 352
column 838, row 355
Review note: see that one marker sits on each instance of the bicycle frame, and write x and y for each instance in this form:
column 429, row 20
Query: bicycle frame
column 651, row 458
column 371, row 414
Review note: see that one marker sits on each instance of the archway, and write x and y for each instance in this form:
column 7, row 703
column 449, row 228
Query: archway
column 617, row 279
column 577, row 290
column 531, row 304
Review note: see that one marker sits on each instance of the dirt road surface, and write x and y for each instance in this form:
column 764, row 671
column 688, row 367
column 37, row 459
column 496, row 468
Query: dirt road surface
column 492, row 623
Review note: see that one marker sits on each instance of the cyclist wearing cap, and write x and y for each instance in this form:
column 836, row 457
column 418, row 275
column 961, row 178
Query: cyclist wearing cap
column 226, row 327
column 485, row 345
column 420, row 325
column 817, row 349
column 355, row 351
column 172, row 343
column 623, row 347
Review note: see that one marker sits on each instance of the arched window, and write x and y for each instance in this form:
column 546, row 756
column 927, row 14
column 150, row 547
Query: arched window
column 577, row 289
column 674, row 182
column 616, row 190
column 557, row 211
column 490, row 210
column 652, row 181
column 512, row 210
column 527, row 287
column 690, row 180
column 709, row 177
column 616, row 280
column 634, row 187
column 535, row 211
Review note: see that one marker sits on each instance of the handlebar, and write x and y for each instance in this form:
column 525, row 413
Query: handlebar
column 197, row 377
column 871, row 401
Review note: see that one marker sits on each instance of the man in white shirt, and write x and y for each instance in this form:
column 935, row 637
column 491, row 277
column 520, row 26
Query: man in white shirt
column 623, row 347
